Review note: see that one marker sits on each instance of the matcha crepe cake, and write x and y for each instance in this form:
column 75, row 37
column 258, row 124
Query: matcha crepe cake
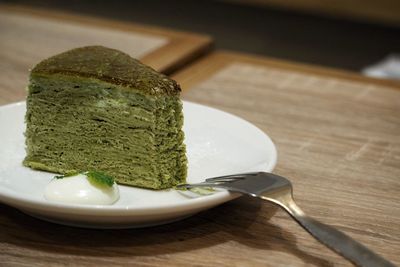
column 95, row 108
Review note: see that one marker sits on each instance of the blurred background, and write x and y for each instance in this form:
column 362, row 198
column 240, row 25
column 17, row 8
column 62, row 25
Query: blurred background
column 346, row 34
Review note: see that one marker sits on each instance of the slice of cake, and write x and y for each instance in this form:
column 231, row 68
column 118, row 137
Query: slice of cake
column 95, row 108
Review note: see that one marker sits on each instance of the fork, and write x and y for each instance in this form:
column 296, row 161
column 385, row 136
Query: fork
column 278, row 190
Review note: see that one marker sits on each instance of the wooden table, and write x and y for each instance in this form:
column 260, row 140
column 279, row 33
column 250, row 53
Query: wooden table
column 337, row 136
column 30, row 35
column 338, row 140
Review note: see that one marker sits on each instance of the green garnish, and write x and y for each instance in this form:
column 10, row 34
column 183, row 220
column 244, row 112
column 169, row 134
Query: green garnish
column 96, row 178
column 203, row 191
column 99, row 178
column 68, row 174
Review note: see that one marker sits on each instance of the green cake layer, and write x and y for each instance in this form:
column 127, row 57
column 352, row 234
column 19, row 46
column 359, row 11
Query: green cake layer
column 95, row 108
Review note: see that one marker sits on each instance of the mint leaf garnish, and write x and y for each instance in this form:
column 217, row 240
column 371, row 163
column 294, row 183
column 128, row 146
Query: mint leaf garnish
column 99, row 178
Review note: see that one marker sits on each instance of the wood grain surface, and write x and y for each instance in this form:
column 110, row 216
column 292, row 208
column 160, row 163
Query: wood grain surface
column 30, row 35
column 338, row 140
column 337, row 136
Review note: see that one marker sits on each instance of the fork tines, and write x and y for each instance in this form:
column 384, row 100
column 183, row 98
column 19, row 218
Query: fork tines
column 231, row 178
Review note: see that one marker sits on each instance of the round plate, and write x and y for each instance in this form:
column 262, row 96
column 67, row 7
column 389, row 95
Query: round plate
column 218, row 143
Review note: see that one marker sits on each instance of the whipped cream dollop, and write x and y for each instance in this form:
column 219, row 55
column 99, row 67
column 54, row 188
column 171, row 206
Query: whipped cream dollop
column 78, row 189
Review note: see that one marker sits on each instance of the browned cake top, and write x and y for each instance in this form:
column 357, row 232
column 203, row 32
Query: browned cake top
column 108, row 65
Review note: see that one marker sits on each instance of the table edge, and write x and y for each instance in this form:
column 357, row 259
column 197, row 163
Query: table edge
column 189, row 45
column 216, row 60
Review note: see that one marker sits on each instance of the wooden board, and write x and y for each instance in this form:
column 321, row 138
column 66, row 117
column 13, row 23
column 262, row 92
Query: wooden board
column 30, row 35
column 338, row 140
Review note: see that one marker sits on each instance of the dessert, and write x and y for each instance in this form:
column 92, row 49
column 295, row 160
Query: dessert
column 96, row 108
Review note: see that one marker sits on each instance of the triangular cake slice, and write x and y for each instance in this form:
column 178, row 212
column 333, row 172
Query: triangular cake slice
column 96, row 108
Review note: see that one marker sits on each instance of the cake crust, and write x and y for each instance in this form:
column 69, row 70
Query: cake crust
column 108, row 65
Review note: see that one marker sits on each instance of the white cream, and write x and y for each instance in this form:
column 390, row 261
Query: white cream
column 78, row 190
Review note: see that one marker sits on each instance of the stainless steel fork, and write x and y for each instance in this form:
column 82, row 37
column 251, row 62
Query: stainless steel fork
column 278, row 190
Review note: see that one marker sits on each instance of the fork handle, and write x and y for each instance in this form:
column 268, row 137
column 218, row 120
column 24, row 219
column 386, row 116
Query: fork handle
column 335, row 239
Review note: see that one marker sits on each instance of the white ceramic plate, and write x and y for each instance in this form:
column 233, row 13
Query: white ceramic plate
column 217, row 143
